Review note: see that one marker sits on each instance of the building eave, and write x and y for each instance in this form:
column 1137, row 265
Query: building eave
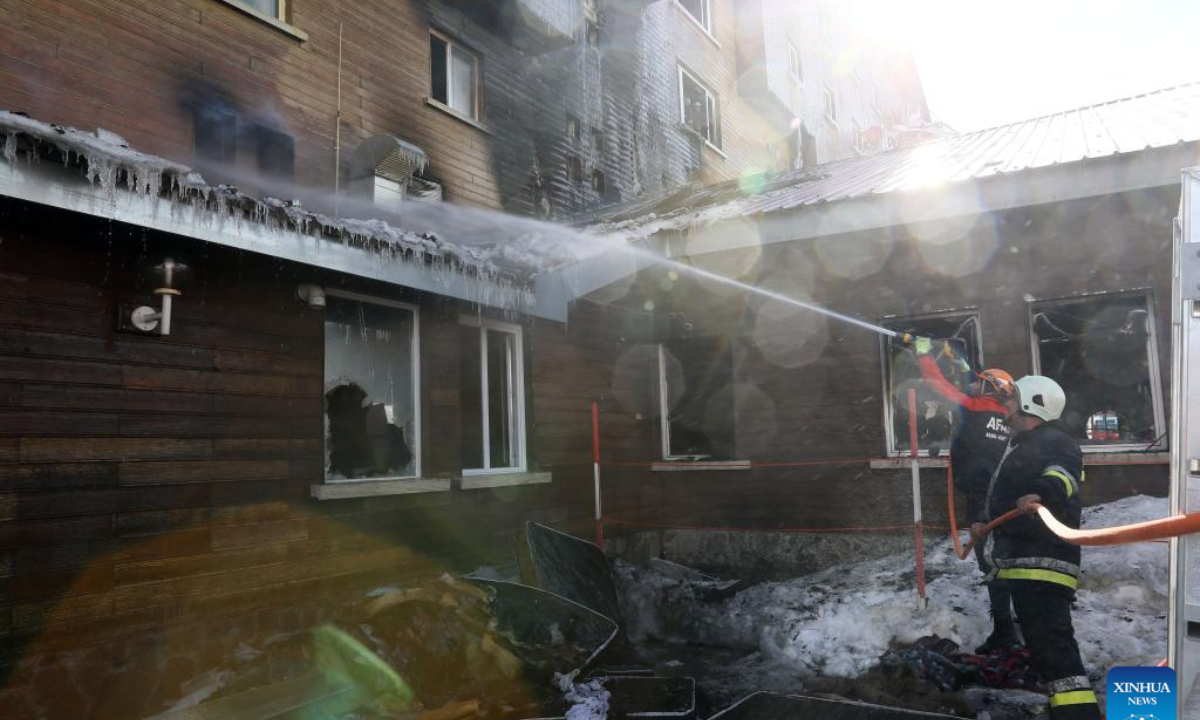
column 52, row 185
column 1119, row 173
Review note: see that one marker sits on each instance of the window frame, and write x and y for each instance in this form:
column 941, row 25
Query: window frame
column 477, row 75
column 889, row 431
column 664, row 411
column 416, row 444
column 1154, row 373
column 704, row 23
column 280, row 20
column 712, row 102
column 830, row 103
column 795, row 67
column 485, row 324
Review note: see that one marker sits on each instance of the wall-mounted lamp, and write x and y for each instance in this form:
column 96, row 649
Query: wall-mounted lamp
column 311, row 295
column 167, row 278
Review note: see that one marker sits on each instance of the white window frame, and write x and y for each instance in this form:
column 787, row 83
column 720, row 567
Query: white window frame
column 795, row 69
column 1162, row 442
column 830, row 104
column 664, row 411
column 705, row 22
column 885, row 369
column 518, row 356
column 712, row 100
column 476, row 74
column 416, row 441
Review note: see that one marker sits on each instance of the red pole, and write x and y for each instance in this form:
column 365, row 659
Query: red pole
column 918, row 530
column 596, row 473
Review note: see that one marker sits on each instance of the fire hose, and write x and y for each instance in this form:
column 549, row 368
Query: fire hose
column 1149, row 530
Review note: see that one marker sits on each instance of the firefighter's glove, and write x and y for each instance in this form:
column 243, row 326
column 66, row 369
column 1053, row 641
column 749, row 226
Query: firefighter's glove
column 978, row 531
column 922, row 345
column 1028, row 504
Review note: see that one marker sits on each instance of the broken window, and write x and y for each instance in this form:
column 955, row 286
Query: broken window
column 574, row 171
column 453, row 75
column 492, row 396
column 371, row 429
column 598, row 182
column 699, row 108
column 696, row 397
column 700, row 10
column 598, row 142
column 936, row 416
column 1102, row 350
column 215, row 136
column 274, row 153
column 794, row 68
column 830, row 105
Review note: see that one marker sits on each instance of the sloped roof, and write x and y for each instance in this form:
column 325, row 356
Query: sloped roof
column 1129, row 125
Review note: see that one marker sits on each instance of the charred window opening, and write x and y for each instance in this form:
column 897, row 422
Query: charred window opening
column 830, row 105
column 274, row 153
column 1102, row 351
column 598, row 142
column 598, row 182
column 795, row 69
column 936, row 416
column 574, row 171
column 696, row 398
column 371, row 390
column 492, row 397
column 453, row 76
column 700, row 10
column 699, row 108
column 215, row 136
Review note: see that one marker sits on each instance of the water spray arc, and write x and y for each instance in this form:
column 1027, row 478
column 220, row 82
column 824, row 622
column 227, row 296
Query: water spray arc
column 761, row 291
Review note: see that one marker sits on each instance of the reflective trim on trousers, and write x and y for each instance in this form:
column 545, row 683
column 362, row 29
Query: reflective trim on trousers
column 1043, row 575
column 1075, row 697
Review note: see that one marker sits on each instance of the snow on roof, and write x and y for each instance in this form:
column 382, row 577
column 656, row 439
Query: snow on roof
column 107, row 161
column 1129, row 125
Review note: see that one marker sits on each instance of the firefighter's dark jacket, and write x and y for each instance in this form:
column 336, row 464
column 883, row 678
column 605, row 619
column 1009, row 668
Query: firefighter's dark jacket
column 979, row 440
column 1043, row 461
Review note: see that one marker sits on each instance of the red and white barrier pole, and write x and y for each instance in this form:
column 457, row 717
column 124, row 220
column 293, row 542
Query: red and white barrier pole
column 596, row 473
column 918, row 530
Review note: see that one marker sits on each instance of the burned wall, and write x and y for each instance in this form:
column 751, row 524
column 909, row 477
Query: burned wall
column 155, row 493
column 807, row 389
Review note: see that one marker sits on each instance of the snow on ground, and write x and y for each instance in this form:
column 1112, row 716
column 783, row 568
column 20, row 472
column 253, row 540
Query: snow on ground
column 838, row 622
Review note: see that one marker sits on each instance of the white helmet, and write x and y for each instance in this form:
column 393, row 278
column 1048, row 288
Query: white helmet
column 1040, row 397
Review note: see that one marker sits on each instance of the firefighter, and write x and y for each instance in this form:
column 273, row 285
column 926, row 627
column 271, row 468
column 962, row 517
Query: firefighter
column 975, row 451
column 1042, row 464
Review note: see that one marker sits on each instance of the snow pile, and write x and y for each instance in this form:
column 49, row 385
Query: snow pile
column 838, row 622
column 589, row 700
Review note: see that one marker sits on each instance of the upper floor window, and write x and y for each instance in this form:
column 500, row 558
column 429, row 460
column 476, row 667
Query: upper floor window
column 493, row 397
column 573, row 132
column 936, row 415
column 372, row 427
column 830, row 105
column 794, row 67
column 220, row 137
column 453, row 75
column 699, row 108
column 275, row 9
column 1102, row 350
column 700, row 10
column 695, row 398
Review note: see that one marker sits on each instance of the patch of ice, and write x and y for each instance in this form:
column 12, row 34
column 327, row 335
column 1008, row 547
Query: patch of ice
column 838, row 622
column 381, row 591
column 589, row 701
column 201, row 688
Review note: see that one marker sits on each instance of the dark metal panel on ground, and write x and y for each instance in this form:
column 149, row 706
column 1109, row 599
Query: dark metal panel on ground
column 567, row 566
